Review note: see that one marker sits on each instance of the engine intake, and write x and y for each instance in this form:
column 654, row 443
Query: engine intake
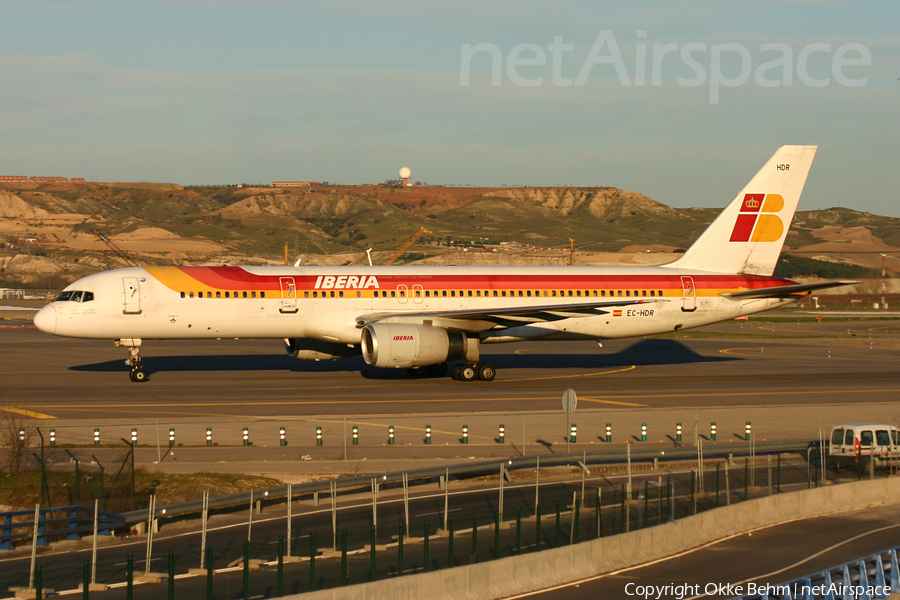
column 307, row 349
column 403, row 346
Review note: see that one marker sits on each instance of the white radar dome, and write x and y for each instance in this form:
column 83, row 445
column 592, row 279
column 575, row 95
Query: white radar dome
column 405, row 173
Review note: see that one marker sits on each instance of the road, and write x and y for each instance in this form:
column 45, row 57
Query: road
column 768, row 556
column 354, row 513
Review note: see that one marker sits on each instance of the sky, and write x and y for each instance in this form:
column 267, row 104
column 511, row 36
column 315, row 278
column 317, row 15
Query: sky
column 682, row 101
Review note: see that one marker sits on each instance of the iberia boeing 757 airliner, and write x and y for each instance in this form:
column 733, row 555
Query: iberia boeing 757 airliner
column 419, row 318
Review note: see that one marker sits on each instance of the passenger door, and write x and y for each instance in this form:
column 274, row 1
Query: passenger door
column 131, row 302
column 690, row 294
column 288, row 295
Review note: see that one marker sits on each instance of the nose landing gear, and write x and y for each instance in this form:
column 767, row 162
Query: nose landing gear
column 137, row 374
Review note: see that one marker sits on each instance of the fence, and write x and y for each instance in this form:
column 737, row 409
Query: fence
column 398, row 524
column 75, row 521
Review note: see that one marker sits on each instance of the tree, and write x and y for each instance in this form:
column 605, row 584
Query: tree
column 16, row 451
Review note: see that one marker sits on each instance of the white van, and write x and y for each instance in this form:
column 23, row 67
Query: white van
column 871, row 441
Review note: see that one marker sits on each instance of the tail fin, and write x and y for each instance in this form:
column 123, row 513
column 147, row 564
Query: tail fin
column 748, row 235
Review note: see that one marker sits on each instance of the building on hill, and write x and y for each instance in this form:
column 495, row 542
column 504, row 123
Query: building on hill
column 42, row 179
column 77, row 180
column 13, row 178
column 290, row 184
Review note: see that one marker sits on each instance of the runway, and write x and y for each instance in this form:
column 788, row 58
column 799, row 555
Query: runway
column 789, row 378
column 778, row 375
column 731, row 364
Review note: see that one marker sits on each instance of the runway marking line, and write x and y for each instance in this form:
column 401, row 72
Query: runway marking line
column 598, row 401
column 752, row 352
column 27, row 413
column 628, row 368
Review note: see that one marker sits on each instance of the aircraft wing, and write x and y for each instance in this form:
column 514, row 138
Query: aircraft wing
column 785, row 291
column 520, row 314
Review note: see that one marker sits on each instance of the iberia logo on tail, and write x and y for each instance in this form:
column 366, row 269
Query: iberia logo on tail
column 756, row 223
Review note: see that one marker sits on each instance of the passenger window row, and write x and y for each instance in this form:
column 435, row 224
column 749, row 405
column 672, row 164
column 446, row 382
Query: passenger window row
column 223, row 294
column 402, row 293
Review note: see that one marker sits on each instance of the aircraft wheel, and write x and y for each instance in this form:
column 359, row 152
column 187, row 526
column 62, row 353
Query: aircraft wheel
column 467, row 372
column 486, row 372
column 138, row 375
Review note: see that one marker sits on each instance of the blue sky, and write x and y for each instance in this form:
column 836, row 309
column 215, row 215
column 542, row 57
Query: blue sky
column 198, row 92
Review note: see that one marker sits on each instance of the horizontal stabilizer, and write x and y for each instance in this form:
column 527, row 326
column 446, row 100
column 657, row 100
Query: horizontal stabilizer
column 784, row 291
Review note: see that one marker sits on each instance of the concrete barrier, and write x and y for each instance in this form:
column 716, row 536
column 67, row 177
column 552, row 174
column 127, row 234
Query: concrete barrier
column 539, row 570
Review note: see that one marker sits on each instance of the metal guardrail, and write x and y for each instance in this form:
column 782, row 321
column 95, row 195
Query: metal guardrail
column 873, row 577
column 471, row 470
column 77, row 520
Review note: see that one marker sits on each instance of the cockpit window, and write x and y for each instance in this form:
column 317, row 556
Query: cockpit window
column 75, row 296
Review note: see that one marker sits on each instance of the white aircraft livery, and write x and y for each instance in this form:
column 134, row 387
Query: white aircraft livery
column 420, row 317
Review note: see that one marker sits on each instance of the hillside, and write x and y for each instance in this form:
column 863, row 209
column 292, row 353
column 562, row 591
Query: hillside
column 171, row 224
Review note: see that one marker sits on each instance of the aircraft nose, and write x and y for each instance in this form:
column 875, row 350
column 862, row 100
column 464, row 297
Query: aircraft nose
column 45, row 319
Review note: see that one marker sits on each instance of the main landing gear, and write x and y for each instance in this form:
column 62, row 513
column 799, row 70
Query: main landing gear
column 472, row 371
column 137, row 374
column 469, row 371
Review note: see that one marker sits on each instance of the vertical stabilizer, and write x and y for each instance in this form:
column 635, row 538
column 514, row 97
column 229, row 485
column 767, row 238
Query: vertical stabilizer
column 748, row 235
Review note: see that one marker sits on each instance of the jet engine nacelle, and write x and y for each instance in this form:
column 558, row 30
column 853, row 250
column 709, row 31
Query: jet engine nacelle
column 404, row 346
column 307, row 349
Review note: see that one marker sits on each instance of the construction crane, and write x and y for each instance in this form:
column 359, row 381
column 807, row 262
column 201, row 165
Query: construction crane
column 117, row 250
column 406, row 246
column 571, row 252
